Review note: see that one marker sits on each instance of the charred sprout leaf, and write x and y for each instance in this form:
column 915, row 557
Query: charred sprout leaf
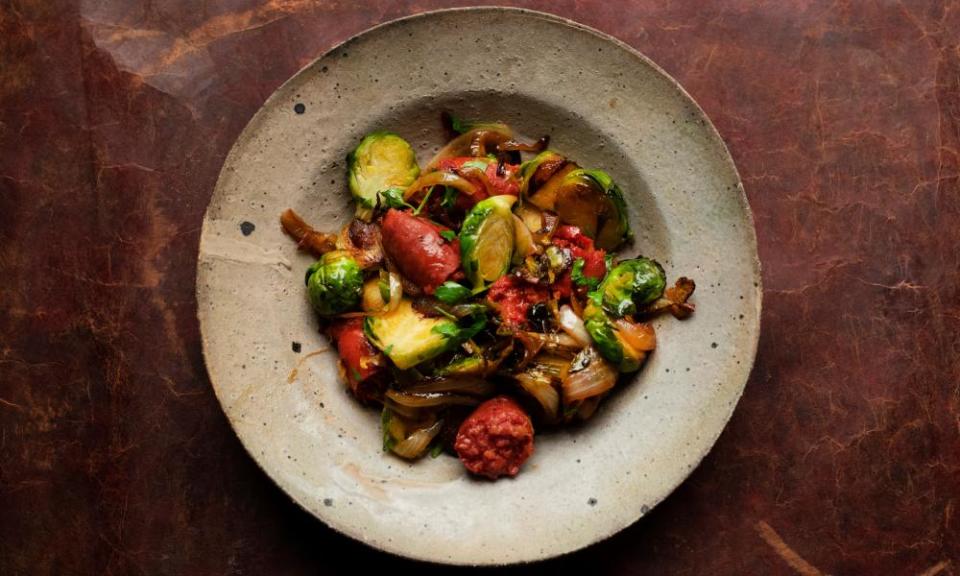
column 487, row 239
column 631, row 285
column 576, row 274
column 452, row 293
column 380, row 162
column 535, row 172
column 334, row 283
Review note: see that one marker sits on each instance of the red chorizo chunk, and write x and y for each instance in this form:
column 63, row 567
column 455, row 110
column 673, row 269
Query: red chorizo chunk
column 496, row 439
column 360, row 361
column 418, row 250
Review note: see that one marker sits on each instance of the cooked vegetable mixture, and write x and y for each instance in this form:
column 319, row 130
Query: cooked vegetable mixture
column 480, row 295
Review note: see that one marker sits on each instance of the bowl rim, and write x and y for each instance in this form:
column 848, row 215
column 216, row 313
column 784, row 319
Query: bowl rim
column 714, row 138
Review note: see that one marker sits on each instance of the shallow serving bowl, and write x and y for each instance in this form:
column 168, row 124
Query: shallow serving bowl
column 603, row 104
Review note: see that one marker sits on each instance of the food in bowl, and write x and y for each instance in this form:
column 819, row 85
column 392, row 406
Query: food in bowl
column 478, row 298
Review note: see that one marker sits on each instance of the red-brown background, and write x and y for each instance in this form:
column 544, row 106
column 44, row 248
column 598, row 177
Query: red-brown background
column 843, row 456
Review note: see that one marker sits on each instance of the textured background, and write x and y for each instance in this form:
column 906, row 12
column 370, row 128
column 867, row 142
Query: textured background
column 843, row 456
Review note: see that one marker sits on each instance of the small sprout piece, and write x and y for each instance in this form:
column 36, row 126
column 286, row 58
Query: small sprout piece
column 381, row 162
column 334, row 283
column 631, row 286
column 487, row 240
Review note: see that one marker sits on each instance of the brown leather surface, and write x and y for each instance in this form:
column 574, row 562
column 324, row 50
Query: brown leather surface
column 843, row 456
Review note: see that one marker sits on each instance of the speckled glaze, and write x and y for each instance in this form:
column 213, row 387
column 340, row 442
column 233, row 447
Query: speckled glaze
column 602, row 104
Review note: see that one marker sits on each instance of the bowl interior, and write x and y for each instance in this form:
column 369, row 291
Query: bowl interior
column 603, row 106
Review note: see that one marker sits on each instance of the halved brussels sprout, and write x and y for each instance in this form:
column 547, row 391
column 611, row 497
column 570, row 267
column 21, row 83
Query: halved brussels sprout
column 487, row 239
column 608, row 340
column 380, row 162
column 408, row 337
column 589, row 200
column 631, row 285
column 334, row 283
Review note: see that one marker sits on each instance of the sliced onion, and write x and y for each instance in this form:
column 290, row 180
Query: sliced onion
column 589, row 375
column 588, row 407
column 396, row 290
column 531, row 216
column 638, row 335
column 523, row 241
column 550, row 223
column 417, row 443
column 532, row 344
column 404, row 411
column 368, row 257
column 343, row 239
column 514, row 146
column 439, row 179
column 560, row 343
column 573, row 325
column 372, row 298
column 430, row 399
column 459, row 385
column 539, row 386
column 470, row 143
column 307, row 238
column 478, row 174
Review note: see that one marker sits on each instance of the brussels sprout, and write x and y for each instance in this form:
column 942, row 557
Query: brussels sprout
column 631, row 285
column 590, row 200
column 487, row 239
column 334, row 283
column 607, row 339
column 408, row 337
column 380, row 162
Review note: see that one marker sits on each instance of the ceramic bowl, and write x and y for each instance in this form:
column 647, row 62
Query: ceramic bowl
column 603, row 104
